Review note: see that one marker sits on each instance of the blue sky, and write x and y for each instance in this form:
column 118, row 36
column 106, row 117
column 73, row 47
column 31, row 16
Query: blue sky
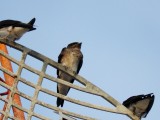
column 120, row 43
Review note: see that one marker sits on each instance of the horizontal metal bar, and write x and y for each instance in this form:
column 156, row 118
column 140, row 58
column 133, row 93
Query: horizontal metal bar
column 89, row 87
column 8, row 116
column 65, row 111
column 3, row 99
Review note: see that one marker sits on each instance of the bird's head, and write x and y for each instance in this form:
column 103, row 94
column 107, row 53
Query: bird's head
column 74, row 45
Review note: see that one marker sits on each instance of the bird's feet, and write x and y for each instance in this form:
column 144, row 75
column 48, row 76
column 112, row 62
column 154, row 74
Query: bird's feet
column 75, row 73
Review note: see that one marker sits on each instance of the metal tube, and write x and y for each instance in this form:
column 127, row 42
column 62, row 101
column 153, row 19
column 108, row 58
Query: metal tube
column 10, row 81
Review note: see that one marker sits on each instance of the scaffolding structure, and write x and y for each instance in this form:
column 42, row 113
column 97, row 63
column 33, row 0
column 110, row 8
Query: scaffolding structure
column 88, row 88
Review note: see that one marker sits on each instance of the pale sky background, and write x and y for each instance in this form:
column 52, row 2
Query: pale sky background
column 120, row 43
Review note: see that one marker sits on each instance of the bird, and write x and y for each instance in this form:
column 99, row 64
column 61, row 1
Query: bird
column 140, row 105
column 14, row 30
column 72, row 58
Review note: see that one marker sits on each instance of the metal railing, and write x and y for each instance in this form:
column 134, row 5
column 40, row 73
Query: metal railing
column 88, row 87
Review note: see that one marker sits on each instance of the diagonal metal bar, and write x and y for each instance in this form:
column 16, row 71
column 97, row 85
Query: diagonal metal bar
column 37, row 90
column 11, row 82
column 88, row 86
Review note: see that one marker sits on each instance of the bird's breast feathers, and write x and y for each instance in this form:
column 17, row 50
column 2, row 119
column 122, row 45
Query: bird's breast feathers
column 71, row 63
column 20, row 30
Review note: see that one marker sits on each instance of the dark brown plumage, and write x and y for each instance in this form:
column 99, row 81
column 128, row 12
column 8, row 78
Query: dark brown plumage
column 72, row 58
column 14, row 30
column 140, row 105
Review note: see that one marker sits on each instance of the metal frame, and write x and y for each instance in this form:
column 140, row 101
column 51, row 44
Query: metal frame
column 88, row 87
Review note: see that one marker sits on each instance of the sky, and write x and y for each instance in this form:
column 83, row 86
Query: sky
column 120, row 44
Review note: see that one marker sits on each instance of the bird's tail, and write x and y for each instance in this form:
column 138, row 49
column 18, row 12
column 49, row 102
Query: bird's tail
column 60, row 102
column 32, row 23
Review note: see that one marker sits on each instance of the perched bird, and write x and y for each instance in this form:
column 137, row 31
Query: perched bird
column 72, row 58
column 14, row 30
column 140, row 105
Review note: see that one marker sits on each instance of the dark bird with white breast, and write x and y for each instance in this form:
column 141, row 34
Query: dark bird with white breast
column 140, row 105
column 72, row 58
column 14, row 30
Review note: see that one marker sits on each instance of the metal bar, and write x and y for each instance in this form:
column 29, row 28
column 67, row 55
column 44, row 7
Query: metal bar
column 20, row 64
column 10, row 81
column 88, row 86
column 5, row 114
column 37, row 91
column 3, row 99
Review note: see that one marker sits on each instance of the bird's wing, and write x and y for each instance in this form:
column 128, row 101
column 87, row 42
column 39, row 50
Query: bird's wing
column 80, row 64
column 150, row 105
column 60, row 58
column 7, row 23
column 132, row 99
column 23, row 25
column 14, row 23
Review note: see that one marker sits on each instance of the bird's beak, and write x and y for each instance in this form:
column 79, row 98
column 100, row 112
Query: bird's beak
column 80, row 43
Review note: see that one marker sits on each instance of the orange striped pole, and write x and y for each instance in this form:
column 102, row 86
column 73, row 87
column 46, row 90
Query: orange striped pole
column 10, row 81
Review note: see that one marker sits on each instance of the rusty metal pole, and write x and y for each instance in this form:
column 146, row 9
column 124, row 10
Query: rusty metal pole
column 10, row 81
